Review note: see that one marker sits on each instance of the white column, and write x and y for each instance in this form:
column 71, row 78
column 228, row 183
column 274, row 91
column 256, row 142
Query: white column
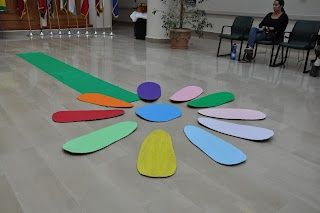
column 154, row 22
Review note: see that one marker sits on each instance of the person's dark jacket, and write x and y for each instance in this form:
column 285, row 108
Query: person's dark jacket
column 279, row 25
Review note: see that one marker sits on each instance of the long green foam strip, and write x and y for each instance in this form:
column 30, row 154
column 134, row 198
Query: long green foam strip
column 78, row 80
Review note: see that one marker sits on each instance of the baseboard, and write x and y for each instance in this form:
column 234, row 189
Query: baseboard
column 207, row 35
column 156, row 40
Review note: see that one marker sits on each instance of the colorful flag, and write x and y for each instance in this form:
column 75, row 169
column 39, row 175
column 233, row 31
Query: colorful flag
column 85, row 7
column 72, row 7
column 3, row 6
column 99, row 7
column 42, row 7
column 63, row 4
column 21, row 7
column 115, row 9
column 50, row 8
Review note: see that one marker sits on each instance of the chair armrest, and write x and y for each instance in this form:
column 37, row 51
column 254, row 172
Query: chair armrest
column 223, row 28
column 286, row 32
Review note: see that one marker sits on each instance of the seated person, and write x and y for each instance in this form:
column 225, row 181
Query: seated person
column 271, row 28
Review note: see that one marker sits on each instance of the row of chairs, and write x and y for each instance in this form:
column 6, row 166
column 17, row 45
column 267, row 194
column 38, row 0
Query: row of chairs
column 304, row 36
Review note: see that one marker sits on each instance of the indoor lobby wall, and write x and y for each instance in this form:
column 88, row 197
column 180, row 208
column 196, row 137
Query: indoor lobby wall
column 223, row 12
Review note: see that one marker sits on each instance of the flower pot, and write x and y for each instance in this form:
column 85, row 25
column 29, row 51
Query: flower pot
column 179, row 38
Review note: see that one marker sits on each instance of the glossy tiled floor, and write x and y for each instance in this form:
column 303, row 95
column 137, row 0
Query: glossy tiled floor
column 36, row 176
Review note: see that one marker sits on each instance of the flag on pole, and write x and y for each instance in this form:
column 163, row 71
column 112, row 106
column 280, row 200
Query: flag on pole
column 3, row 6
column 72, row 7
column 63, row 5
column 115, row 9
column 21, row 8
column 50, row 8
column 99, row 7
column 42, row 7
column 85, row 7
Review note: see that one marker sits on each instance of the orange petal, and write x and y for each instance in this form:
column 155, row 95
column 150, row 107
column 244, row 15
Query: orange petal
column 103, row 100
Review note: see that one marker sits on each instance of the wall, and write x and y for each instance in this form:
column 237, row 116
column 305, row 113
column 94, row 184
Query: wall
column 296, row 9
column 223, row 12
column 220, row 12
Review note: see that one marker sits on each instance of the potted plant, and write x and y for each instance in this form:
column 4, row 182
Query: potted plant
column 181, row 19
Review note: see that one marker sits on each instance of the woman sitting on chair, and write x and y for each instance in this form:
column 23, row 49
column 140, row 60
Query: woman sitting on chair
column 271, row 28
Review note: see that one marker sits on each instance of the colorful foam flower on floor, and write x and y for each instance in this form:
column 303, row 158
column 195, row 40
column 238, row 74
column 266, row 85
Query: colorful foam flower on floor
column 157, row 156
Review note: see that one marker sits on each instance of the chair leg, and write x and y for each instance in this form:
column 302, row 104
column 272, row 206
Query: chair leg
column 270, row 62
column 276, row 57
column 218, row 52
column 306, row 63
column 282, row 56
column 239, row 59
column 255, row 51
column 219, row 47
column 286, row 56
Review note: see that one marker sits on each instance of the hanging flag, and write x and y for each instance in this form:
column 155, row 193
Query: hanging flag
column 63, row 5
column 85, row 7
column 42, row 7
column 99, row 7
column 3, row 6
column 115, row 9
column 21, row 8
column 50, row 8
column 72, row 7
